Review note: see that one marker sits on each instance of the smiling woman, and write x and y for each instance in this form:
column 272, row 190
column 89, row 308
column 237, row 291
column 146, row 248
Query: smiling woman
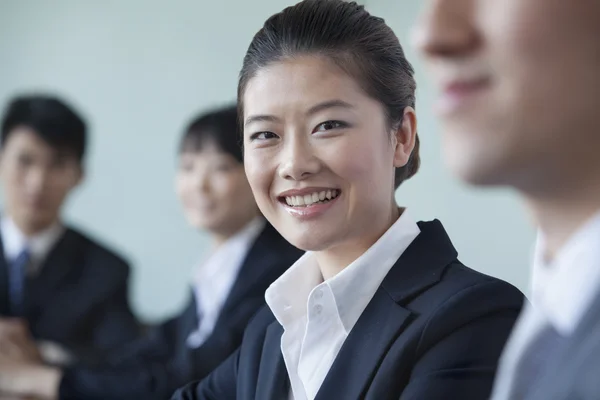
column 379, row 307
column 324, row 133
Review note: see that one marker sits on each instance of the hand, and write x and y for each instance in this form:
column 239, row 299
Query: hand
column 22, row 377
column 16, row 343
column 12, row 326
column 28, row 382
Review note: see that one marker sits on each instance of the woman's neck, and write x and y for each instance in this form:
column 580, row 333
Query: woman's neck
column 334, row 259
column 218, row 238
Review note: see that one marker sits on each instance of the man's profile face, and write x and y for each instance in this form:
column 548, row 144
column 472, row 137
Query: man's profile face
column 519, row 87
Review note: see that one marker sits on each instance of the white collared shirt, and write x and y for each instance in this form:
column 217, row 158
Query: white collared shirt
column 562, row 292
column 317, row 316
column 214, row 278
column 39, row 245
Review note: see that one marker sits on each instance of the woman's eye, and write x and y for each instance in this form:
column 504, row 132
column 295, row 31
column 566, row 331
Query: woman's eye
column 329, row 125
column 263, row 136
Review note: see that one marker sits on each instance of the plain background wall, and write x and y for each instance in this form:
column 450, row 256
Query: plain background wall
column 140, row 69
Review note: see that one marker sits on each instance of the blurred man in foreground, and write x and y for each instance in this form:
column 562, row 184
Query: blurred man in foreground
column 519, row 100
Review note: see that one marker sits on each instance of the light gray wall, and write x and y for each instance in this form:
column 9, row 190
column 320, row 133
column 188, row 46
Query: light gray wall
column 140, row 69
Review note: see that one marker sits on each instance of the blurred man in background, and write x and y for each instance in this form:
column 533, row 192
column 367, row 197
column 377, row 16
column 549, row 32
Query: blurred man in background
column 63, row 288
column 520, row 94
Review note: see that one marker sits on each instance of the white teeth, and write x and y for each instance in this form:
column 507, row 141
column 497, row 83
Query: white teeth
column 308, row 199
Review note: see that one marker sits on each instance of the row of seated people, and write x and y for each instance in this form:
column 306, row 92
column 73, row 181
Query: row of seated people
column 228, row 289
column 379, row 306
column 65, row 296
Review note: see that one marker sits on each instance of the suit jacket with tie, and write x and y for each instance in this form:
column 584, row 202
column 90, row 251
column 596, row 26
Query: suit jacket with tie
column 433, row 330
column 152, row 368
column 79, row 298
column 573, row 372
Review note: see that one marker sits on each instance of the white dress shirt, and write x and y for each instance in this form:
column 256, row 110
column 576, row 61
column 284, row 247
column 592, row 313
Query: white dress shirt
column 562, row 292
column 214, row 278
column 39, row 245
column 317, row 316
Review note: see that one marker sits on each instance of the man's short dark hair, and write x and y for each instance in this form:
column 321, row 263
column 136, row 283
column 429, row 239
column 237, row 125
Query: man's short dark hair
column 50, row 118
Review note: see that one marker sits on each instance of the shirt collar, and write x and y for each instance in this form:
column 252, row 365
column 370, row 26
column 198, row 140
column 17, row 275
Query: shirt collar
column 353, row 287
column 243, row 238
column 288, row 295
column 39, row 245
column 247, row 234
column 564, row 289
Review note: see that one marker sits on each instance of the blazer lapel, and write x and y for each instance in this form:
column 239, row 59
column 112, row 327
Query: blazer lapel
column 4, row 300
column 63, row 256
column 269, row 254
column 273, row 383
column 187, row 322
column 366, row 345
column 385, row 318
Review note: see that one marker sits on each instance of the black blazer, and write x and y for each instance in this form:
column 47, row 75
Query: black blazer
column 434, row 330
column 79, row 298
column 155, row 366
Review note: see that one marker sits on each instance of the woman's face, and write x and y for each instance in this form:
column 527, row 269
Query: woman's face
column 319, row 154
column 214, row 191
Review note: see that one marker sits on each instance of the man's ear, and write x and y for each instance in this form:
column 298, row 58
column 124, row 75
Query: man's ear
column 404, row 137
column 79, row 176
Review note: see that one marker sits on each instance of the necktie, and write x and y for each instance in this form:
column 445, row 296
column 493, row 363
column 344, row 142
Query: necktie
column 16, row 282
column 534, row 360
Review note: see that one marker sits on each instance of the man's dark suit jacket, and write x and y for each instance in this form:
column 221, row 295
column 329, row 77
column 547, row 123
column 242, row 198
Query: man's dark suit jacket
column 434, row 330
column 154, row 367
column 79, row 297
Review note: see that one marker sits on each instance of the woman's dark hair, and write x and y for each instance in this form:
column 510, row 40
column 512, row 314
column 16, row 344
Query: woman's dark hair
column 219, row 128
column 359, row 43
column 50, row 118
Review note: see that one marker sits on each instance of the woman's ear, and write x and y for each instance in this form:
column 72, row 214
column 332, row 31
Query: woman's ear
column 404, row 137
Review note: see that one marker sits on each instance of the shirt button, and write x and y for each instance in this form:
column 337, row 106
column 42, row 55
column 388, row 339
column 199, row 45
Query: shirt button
column 318, row 308
column 318, row 294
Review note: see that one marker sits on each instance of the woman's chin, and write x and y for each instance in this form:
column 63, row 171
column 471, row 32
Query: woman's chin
column 308, row 241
